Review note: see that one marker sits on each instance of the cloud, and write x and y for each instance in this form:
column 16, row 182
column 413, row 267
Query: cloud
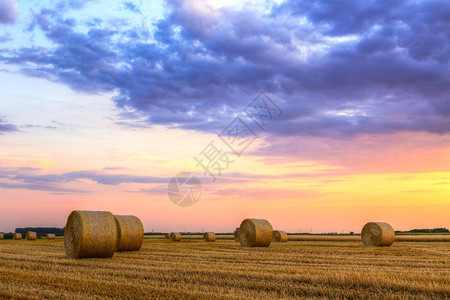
column 5, row 127
column 114, row 168
column 337, row 68
column 9, row 11
column 66, row 5
column 44, row 187
column 268, row 194
column 156, row 190
column 442, row 106
column 406, row 152
column 33, row 179
column 132, row 7
column 5, row 38
column 96, row 176
column 39, row 126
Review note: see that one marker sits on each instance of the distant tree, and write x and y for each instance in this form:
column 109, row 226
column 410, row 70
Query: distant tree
column 437, row 230
column 40, row 230
column 434, row 230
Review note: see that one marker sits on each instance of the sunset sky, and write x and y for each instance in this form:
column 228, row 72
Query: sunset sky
column 103, row 102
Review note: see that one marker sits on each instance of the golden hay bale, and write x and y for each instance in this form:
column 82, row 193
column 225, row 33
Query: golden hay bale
column 255, row 233
column 175, row 236
column 90, row 234
column 2, row 236
column 209, row 237
column 130, row 233
column 279, row 236
column 31, row 235
column 377, row 234
column 50, row 236
column 236, row 236
column 17, row 236
column 167, row 236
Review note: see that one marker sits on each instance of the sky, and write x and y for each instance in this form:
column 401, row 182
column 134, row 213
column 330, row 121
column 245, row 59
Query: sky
column 319, row 116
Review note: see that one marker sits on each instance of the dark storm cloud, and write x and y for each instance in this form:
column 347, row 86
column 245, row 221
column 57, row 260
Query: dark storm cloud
column 339, row 68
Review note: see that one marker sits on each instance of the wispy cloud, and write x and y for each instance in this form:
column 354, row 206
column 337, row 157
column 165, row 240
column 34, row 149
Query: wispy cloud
column 46, row 187
column 5, row 127
column 95, row 176
column 33, row 179
column 132, row 7
column 268, row 194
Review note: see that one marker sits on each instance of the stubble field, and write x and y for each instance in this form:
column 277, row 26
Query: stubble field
column 193, row 269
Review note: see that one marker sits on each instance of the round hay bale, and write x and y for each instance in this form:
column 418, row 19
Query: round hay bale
column 17, row 236
column 236, row 236
column 2, row 236
column 209, row 237
column 130, row 233
column 377, row 234
column 279, row 236
column 90, row 234
column 167, row 236
column 175, row 236
column 255, row 233
column 50, row 236
column 31, row 235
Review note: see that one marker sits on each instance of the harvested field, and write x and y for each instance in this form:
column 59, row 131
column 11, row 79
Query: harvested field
column 225, row 270
column 322, row 237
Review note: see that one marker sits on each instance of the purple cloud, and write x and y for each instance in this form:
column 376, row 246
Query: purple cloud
column 32, row 179
column 337, row 68
column 5, row 38
column 9, row 11
column 99, row 177
column 5, row 127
